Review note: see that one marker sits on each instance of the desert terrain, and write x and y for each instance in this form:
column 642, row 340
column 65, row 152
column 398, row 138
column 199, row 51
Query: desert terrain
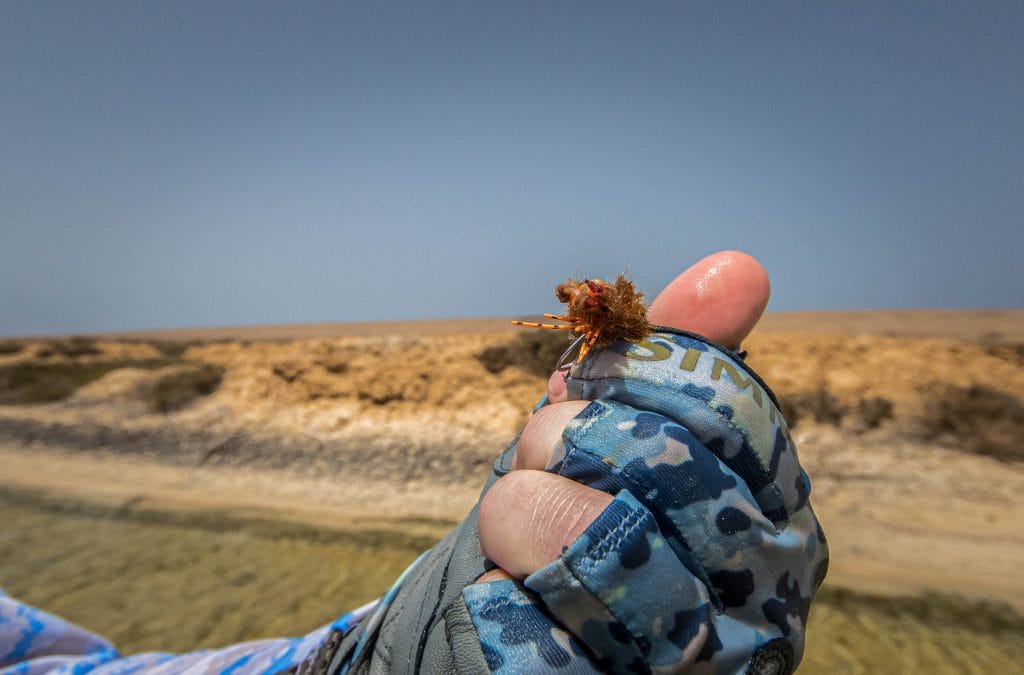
column 176, row 489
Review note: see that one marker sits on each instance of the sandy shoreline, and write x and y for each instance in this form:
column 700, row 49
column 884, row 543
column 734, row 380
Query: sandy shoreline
column 420, row 509
column 943, row 528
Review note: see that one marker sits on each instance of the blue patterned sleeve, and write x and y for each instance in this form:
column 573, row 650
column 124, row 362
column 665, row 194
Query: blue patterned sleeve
column 34, row 642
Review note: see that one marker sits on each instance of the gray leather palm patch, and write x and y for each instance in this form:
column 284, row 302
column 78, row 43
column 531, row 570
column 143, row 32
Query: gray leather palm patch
column 427, row 628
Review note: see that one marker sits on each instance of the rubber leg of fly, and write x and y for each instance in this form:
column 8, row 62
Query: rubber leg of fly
column 561, row 318
column 587, row 344
column 548, row 326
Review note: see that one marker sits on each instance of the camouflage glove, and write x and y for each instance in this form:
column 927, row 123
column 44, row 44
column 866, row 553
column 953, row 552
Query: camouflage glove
column 710, row 553
column 706, row 560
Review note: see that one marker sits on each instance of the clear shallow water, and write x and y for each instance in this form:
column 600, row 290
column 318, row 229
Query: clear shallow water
column 152, row 581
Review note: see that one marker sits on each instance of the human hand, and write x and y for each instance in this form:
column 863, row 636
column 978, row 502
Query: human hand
column 743, row 554
column 710, row 576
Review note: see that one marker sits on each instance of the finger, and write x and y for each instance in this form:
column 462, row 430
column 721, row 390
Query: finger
column 528, row 517
column 556, row 387
column 720, row 297
column 493, row 575
column 542, row 432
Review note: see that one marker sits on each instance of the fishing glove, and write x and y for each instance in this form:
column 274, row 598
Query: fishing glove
column 705, row 561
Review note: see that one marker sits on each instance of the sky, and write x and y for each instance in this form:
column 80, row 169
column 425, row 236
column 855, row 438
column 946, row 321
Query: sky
column 179, row 164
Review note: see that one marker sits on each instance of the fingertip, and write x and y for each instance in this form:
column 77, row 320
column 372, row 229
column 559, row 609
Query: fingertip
column 721, row 297
column 496, row 574
column 556, row 387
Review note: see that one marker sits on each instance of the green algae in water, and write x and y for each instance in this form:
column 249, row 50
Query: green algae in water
column 148, row 585
column 936, row 633
column 151, row 581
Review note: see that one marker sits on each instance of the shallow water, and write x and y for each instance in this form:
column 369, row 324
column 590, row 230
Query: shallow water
column 186, row 584
column 152, row 581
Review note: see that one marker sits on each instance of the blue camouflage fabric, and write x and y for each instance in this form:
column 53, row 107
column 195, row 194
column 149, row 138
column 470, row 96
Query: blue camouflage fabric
column 708, row 557
column 518, row 635
column 34, row 642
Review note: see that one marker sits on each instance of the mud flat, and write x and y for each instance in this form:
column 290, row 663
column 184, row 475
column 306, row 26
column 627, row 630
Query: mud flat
column 177, row 490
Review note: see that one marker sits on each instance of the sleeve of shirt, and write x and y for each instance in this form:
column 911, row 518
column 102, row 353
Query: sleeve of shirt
column 33, row 642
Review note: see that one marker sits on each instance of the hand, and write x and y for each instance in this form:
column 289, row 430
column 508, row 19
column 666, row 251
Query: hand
column 743, row 551
column 669, row 526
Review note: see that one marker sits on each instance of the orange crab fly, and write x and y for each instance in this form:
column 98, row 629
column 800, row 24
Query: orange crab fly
column 600, row 312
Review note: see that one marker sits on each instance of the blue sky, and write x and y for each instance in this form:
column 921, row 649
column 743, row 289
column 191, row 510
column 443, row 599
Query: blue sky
column 204, row 164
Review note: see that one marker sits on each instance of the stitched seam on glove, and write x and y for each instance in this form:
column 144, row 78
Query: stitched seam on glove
column 604, row 546
column 598, row 552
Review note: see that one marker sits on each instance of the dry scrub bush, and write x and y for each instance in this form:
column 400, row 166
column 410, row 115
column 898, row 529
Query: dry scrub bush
column 72, row 347
column 1011, row 352
column 170, row 348
column 825, row 408
column 45, row 381
column 977, row 419
column 535, row 352
column 874, row 410
column 27, row 383
column 176, row 390
column 819, row 404
column 8, row 347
